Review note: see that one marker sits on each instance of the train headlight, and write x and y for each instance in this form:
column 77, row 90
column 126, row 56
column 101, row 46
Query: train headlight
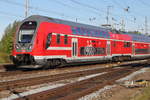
column 30, row 47
column 17, row 46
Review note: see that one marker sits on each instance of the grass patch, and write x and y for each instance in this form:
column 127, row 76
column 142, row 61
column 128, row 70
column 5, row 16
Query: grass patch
column 4, row 58
column 145, row 94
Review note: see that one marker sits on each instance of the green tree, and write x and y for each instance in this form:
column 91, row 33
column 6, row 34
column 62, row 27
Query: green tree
column 6, row 43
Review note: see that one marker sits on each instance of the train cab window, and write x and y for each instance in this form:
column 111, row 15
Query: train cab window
column 58, row 38
column 66, row 39
column 26, row 31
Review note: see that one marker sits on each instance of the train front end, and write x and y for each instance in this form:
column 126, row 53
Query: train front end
column 24, row 44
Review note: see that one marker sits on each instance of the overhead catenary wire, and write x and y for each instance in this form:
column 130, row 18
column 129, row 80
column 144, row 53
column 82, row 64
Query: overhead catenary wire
column 75, row 8
column 54, row 12
column 126, row 8
column 144, row 3
column 42, row 10
column 97, row 9
column 81, row 10
column 88, row 6
column 91, row 9
column 104, row 11
column 129, row 10
column 10, row 14
column 37, row 8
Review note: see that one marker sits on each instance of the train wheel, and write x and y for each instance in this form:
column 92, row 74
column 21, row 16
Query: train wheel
column 115, row 59
column 49, row 65
column 62, row 63
column 53, row 63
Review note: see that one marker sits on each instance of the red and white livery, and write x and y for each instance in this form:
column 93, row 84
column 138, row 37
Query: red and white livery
column 52, row 42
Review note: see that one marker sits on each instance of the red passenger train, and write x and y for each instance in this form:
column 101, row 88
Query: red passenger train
column 50, row 42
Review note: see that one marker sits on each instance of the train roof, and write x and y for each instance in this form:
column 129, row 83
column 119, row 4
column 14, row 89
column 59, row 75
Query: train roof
column 39, row 18
column 139, row 37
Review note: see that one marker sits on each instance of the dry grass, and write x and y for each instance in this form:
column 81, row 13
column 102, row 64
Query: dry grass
column 144, row 95
column 4, row 58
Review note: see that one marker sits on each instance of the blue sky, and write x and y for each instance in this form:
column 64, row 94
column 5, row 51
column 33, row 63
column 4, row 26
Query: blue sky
column 82, row 10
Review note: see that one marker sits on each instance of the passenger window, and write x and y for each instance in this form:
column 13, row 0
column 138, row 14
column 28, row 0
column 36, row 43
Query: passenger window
column 127, row 44
column 48, row 42
column 58, row 38
column 66, row 39
column 82, row 51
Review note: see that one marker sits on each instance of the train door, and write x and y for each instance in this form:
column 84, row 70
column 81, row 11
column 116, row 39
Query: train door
column 74, row 47
column 149, row 48
column 133, row 48
column 108, row 50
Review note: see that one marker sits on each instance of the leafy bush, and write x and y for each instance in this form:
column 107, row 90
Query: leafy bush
column 6, row 43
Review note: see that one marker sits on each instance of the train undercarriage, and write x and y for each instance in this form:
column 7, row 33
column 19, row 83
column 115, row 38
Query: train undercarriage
column 28, row 61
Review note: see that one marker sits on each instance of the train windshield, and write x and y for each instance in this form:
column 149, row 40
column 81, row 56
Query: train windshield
column 27, row 31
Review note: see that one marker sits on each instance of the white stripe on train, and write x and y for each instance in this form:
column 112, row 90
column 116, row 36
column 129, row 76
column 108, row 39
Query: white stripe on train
column 79, row 36
column 59, row 48
column 90, row 57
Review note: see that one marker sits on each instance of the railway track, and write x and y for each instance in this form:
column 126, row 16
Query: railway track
column 32, row 71
column 50, row 78
column 42, row 73
column 15, row 84
column 22, row 74
column 4, row 66
column 81, row 88
column 11, row 75
column 9, row 71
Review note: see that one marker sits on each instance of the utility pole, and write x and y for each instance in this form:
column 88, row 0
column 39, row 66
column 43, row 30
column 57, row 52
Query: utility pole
column 76, row 19
column 107, row 25
column 26, row 8
column 113, row 23
column 108, row 13
column 123, row 25
column 134, row 20
column 146, row 25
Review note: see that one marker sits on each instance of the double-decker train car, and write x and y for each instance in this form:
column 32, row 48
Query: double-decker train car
column 50, row 42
